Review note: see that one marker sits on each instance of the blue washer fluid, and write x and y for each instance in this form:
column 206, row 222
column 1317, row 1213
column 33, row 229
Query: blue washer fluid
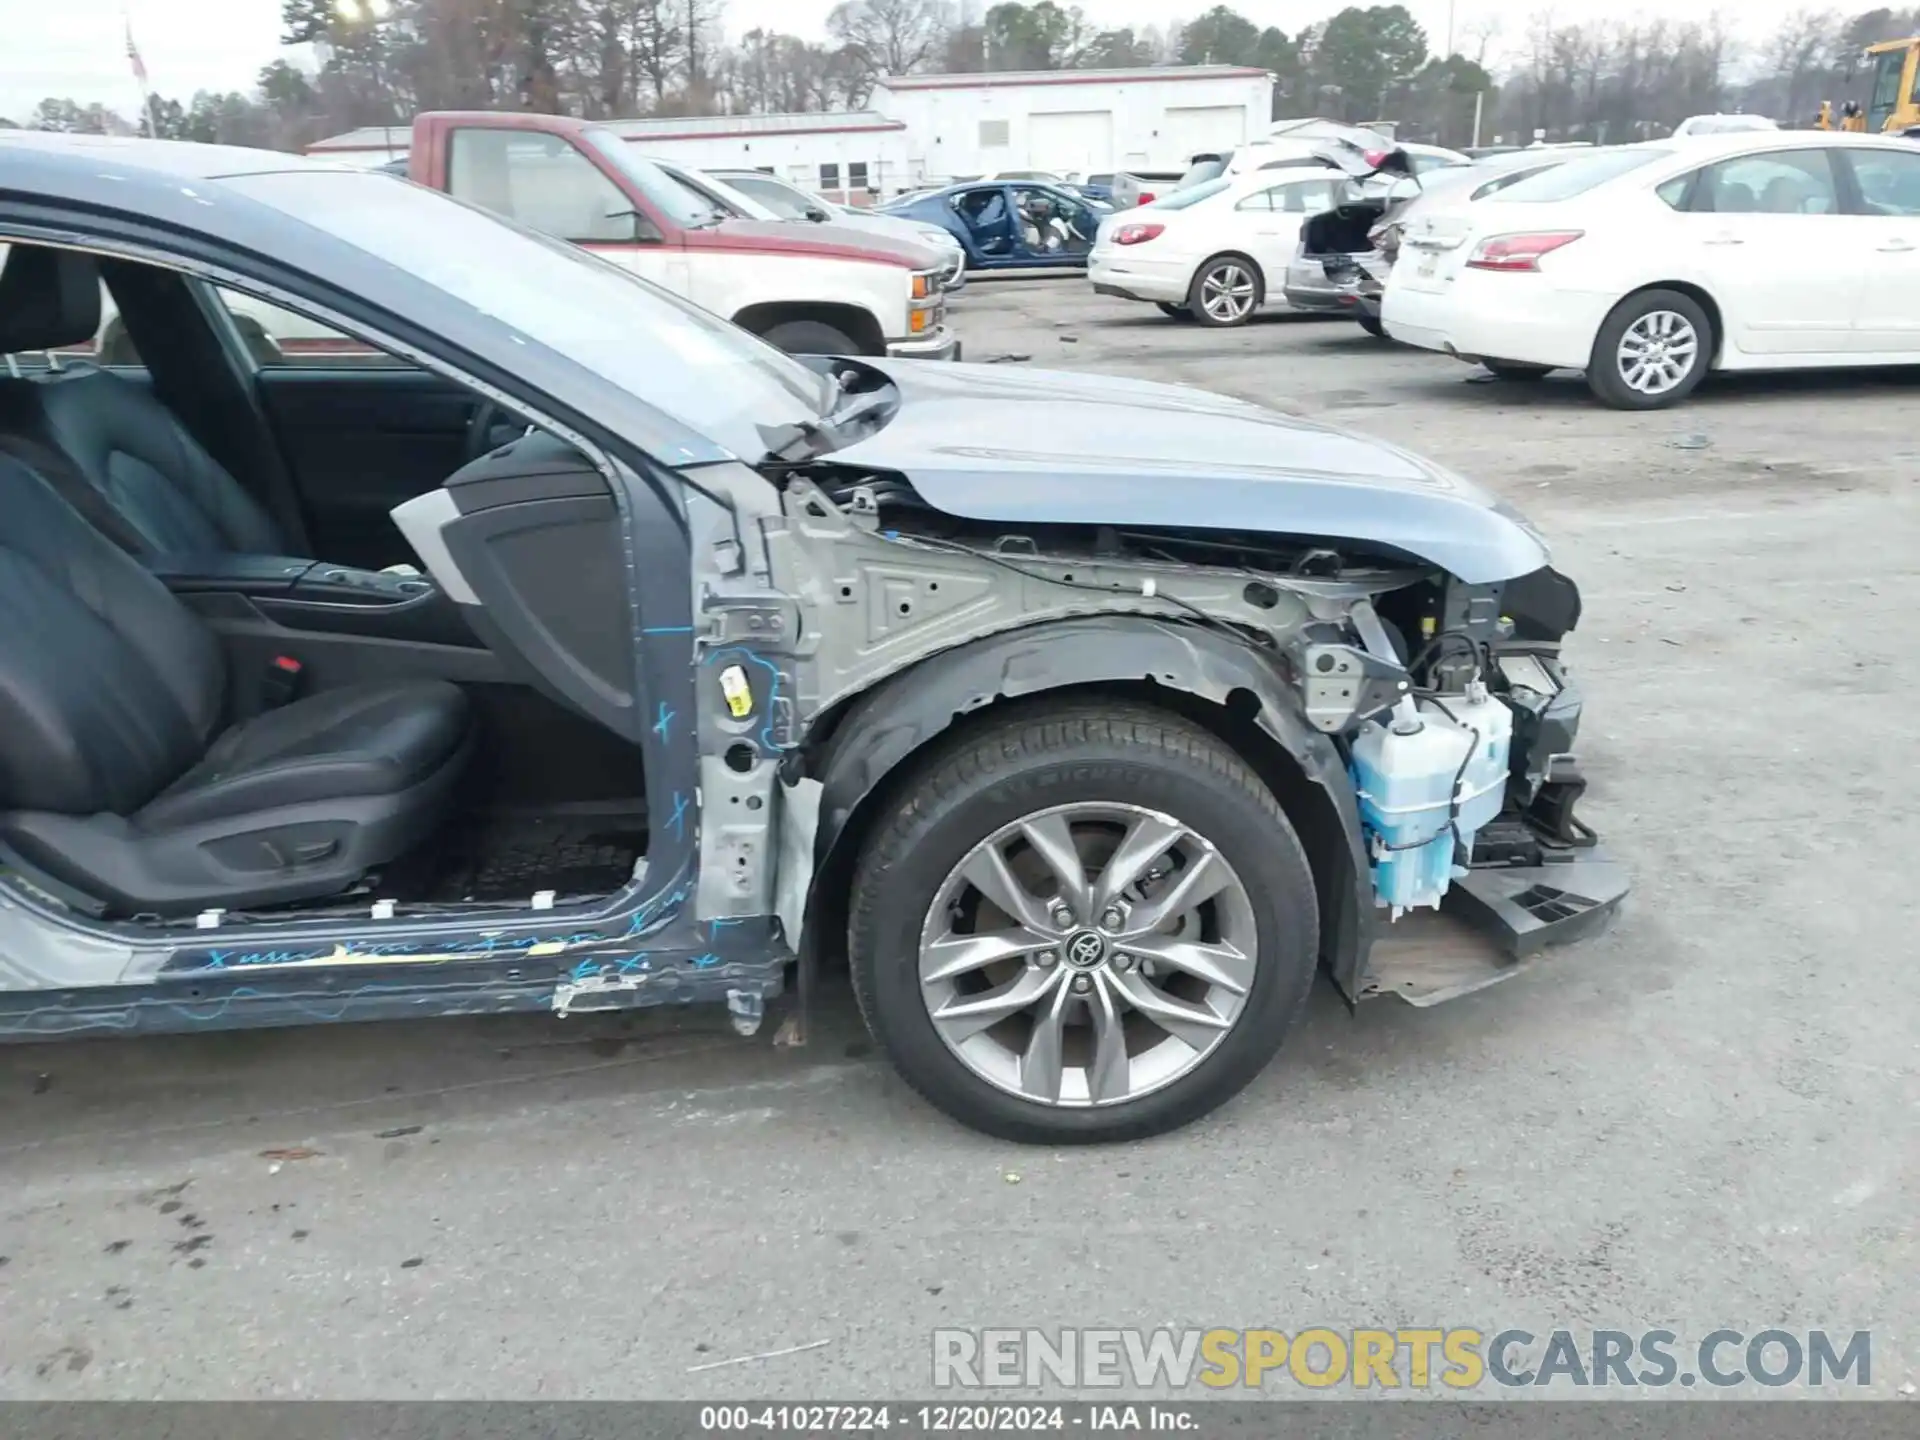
column 1403, row 770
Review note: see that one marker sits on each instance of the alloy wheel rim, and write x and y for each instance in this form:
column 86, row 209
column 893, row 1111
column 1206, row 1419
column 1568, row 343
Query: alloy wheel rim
column 1086, row 955
column 1657, row 352
column 1227, row 292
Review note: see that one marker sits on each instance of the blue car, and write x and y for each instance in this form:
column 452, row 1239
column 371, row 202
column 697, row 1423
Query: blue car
column 1011, row 224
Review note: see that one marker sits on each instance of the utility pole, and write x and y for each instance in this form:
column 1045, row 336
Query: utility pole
column 1448, row 55
column 1479, row 100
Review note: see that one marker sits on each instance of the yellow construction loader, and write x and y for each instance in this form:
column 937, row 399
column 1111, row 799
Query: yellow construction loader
column 1893, row 104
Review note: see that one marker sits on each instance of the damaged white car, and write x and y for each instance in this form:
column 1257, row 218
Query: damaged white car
column 1085, row 719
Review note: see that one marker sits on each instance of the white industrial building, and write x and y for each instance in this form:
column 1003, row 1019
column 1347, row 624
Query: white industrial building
column 1075, row 121
column 855, row 154
column 929, row 129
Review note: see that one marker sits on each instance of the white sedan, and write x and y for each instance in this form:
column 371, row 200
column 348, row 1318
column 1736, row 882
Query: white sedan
column 1217, row 251
column 1648, row 266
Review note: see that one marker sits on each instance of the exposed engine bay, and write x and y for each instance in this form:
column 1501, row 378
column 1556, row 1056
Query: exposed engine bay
column 1448, row 702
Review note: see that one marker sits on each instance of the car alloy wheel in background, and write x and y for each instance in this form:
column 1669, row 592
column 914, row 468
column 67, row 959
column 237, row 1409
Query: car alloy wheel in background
column 1651, row 352
column 1083, row 923
column 1657, row 351
column 1225, row 291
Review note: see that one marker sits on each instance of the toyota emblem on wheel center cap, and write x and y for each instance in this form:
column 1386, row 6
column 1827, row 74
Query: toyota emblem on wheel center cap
column 1085, row 950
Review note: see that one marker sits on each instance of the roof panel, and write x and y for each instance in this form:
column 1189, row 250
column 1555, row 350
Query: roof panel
column 663, row 126
column 371, row 137
column 1135, row 75
column 181, row 159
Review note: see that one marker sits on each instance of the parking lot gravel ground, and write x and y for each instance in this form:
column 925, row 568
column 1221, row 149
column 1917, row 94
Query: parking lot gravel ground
column 1706, row 1118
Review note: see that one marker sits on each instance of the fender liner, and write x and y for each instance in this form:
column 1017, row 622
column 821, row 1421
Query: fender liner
column 887, row 725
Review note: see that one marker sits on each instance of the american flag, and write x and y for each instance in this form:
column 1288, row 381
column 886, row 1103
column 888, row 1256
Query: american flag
column 133, row 55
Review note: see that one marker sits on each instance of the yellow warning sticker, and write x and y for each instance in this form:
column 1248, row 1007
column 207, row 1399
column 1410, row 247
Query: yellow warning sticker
column 738, row 693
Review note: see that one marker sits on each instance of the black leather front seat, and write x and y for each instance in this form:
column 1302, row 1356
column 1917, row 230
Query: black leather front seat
column 168, row 495
column 117, row 775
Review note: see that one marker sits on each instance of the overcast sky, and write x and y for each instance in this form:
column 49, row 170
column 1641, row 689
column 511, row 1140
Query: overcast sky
column 77, row 48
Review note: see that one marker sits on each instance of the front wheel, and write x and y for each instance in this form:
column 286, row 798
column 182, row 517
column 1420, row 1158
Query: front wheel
column 1652, row 351
column 1084, row 923
column 810, row 337
column 1371, row 324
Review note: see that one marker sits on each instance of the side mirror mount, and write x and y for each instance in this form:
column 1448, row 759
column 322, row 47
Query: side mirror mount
column 817, row 214
column 638, row 226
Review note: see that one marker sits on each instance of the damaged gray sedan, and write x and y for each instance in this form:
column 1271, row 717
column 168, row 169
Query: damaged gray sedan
column 546, row 643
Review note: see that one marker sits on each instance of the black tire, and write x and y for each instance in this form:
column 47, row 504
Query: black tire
column 810, row 337
column 1175, row 312
column 1371, row 324
column 1215, row 266
column 1058, row 755
column 1604, row 375
column 1515, row 371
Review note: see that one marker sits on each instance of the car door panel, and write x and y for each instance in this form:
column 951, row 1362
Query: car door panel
column 1766, row 233
column 1276, row 230
column 1886, row 310
column 985, row 217
column 1054, row 227
column 361, row 441
column 1029, row 248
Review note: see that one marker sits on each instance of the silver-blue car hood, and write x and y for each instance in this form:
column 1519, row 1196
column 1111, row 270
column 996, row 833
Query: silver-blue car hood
column 1048, row 447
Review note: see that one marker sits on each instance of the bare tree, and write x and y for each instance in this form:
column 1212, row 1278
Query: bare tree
column 1480, row 32
column 891, row 37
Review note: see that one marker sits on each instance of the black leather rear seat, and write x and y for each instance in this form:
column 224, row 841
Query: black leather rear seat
column 118, row 774
column 164, row 493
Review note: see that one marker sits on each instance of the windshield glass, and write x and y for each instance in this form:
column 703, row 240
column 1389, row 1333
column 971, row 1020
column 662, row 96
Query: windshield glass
column 1576, row 177
column 782, row 200
column 706, row 373
column 1886, row 87
column 723, row 196
column 1191, row 195
column 672, row 198
column 1204, row 169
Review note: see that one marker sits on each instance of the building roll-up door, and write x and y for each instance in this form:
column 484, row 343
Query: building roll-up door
column 1188, row 130
column 1071, row 141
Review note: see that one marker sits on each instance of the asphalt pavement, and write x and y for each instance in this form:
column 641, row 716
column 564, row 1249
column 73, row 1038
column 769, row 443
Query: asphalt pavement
column 1705, row 1119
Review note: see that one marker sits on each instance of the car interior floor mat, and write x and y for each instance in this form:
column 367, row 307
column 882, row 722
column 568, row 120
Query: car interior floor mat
column 510, row 855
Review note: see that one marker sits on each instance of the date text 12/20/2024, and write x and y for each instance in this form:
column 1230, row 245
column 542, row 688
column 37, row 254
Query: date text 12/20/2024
column 945, row 1419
